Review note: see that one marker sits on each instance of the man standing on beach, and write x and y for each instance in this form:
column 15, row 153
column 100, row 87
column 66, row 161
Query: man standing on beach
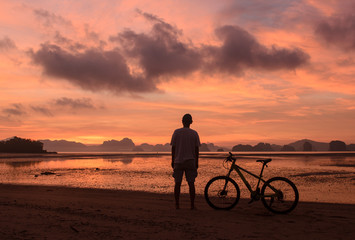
column 185, row 144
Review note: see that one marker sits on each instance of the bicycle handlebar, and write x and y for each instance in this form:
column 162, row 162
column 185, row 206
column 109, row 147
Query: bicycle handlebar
column 230, row 158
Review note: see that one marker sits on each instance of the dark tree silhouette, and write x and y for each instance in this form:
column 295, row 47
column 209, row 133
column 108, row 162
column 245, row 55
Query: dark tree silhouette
column 350, row 147
column 20, row 145
column 337, row 146
column 263, row 147
column 242, row 148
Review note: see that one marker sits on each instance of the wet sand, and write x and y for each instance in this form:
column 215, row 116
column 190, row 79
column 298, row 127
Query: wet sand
column 47, row 212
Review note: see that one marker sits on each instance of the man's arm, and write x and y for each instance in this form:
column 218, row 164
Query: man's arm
column 172, row 156
column 197, row 152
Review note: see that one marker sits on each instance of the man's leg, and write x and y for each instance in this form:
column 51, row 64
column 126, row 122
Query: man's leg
column 178, row 173
column 192, row 194
column 191, row 174
column 177, row 194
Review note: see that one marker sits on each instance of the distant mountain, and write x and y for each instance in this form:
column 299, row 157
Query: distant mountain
column 146, row 147
column 337, row 146
column 287, row 148
column 127, row 145
column 124, row 145
column 316, row 146
column 277, row 148
column 162, row 148
column 63, row 146
column 260, row 147
column 205, row 147
column 214, row 148
column 155, row 148
column 301, row 145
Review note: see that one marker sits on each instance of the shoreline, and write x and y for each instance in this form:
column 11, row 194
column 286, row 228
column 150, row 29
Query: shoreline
column 41, row 212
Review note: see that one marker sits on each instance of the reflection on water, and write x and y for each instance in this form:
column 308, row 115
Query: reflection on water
column 22, row 164
column 337, row 158
column 320, row 174
column 318, row 178
column 125, row 160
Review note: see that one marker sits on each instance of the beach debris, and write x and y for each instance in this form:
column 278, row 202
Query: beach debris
column 97, row 169
column 47, row 173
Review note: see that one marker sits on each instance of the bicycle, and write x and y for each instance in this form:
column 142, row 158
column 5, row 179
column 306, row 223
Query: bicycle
column 278, row 194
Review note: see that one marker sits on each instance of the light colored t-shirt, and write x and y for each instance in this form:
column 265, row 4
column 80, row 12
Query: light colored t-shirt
column 185, row 141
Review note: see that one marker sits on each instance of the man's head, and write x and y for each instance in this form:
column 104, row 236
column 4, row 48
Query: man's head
column 186, row 120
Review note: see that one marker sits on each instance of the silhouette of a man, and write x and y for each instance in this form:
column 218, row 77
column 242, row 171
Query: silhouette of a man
column 185, row 144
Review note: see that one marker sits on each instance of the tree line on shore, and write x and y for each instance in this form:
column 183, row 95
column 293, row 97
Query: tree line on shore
column 21, row 145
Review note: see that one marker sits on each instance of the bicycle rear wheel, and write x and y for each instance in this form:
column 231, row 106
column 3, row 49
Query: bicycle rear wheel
column 279, row 195
column 222, row 193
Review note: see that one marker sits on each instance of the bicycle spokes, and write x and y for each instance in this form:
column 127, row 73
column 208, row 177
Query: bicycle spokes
column 222, row 193
column 279, row 195
column 271, row 201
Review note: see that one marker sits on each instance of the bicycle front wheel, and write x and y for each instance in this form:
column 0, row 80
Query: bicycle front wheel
column 222, row 193
column 279, row 195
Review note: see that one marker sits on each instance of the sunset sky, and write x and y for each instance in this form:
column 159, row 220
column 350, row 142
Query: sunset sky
column 247, row 71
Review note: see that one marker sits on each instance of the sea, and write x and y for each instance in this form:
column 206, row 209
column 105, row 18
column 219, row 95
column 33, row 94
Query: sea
column 319, row 176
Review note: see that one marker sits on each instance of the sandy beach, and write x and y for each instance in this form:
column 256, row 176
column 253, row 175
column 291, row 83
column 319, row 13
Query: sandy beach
column 47, row 212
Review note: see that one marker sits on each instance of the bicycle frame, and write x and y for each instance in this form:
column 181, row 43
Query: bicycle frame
column 239, row 170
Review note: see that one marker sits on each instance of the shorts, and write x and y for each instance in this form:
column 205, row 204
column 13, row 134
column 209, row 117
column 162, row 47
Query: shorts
column 189, row 167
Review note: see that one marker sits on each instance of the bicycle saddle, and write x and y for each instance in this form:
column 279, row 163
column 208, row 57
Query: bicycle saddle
column 265, row 161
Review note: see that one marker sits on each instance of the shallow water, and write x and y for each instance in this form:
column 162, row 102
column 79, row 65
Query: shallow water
column 318, row 178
